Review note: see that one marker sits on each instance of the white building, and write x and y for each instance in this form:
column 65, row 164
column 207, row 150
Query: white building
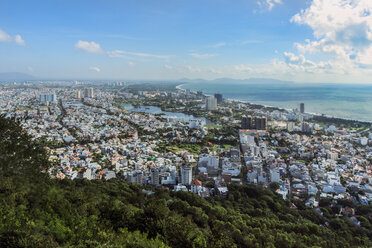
column 196, row 124
column 180, row 188
column 332, row 155
column 48, row 98
column 290, row 126
column 363, row 141
column 196, row 186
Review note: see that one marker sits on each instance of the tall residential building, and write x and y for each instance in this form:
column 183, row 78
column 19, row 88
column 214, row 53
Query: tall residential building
column 155, row 176
column 290, row 126
column 135, row 177
column 186, row 175
column 48, row 98
column 78, row 94
column 219, row 98
column 260, row 123
column 211, row 103
column 188, row 92
column 247, row 122
column 332, row 155
column 306, row 127
column 302, row 108
column 89, row 92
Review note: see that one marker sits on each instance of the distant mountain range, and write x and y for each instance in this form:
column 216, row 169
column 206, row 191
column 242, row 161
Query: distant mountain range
column 237, row 81
column 15, row 76
column 18, row 76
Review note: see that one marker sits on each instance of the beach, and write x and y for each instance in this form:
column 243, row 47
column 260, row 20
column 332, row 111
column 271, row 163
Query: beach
column 351, row 102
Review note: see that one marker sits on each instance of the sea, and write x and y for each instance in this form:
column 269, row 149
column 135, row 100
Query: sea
column 348, row 101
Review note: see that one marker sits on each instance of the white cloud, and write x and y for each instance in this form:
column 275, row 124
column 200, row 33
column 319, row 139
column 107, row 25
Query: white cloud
column 246, row 42
column 233, row 43
column 298, row 63
column 202, row 56
column 168, row 67
column 18, row 39
column 243, row 68
column 274, row 68
column 93, row 47
column 90, row 47
column 192, row 69
column 268, row 4
column 342, row 31
column 30, row 69
column 4, row 37
column 131, row 63
column 95, row 68
column 219, row 44
column 214, row 71
column 116, row 54
column 121, row 53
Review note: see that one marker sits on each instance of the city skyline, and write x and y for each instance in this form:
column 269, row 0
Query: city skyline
column 304, row 41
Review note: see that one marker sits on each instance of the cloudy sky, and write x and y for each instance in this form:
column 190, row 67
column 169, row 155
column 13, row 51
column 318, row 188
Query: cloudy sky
column 300, row 40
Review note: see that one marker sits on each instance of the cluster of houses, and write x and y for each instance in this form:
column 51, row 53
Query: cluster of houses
column 92, row 137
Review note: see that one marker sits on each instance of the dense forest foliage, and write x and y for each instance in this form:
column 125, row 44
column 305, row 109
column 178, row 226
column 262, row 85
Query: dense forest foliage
column 36, row 211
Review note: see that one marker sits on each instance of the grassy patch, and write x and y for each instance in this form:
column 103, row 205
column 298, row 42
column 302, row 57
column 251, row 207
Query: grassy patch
column 213, row 126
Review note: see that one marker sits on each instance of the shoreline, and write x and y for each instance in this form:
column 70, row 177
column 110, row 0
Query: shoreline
column 179, row 87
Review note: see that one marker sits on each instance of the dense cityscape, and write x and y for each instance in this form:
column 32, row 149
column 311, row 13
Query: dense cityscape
column 89, row 133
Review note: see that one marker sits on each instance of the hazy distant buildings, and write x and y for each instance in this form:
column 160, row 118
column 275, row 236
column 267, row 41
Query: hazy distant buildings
column 89, row 92
column 302, row 108
column 48, row 98
column 199, row 94
column 219, row 98
column 211, row 103
column 188, row 92
column 186, row 175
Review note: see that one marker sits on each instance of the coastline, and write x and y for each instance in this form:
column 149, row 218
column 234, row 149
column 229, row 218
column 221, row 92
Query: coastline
column 179, row 87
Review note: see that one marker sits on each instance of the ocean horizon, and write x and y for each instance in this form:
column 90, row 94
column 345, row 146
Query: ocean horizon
column 348, row 101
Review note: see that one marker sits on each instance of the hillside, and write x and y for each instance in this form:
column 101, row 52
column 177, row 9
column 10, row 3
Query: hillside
column 15, row 76
column 37, row 211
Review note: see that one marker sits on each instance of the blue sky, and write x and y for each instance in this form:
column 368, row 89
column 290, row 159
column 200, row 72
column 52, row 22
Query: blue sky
column 320, row 40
